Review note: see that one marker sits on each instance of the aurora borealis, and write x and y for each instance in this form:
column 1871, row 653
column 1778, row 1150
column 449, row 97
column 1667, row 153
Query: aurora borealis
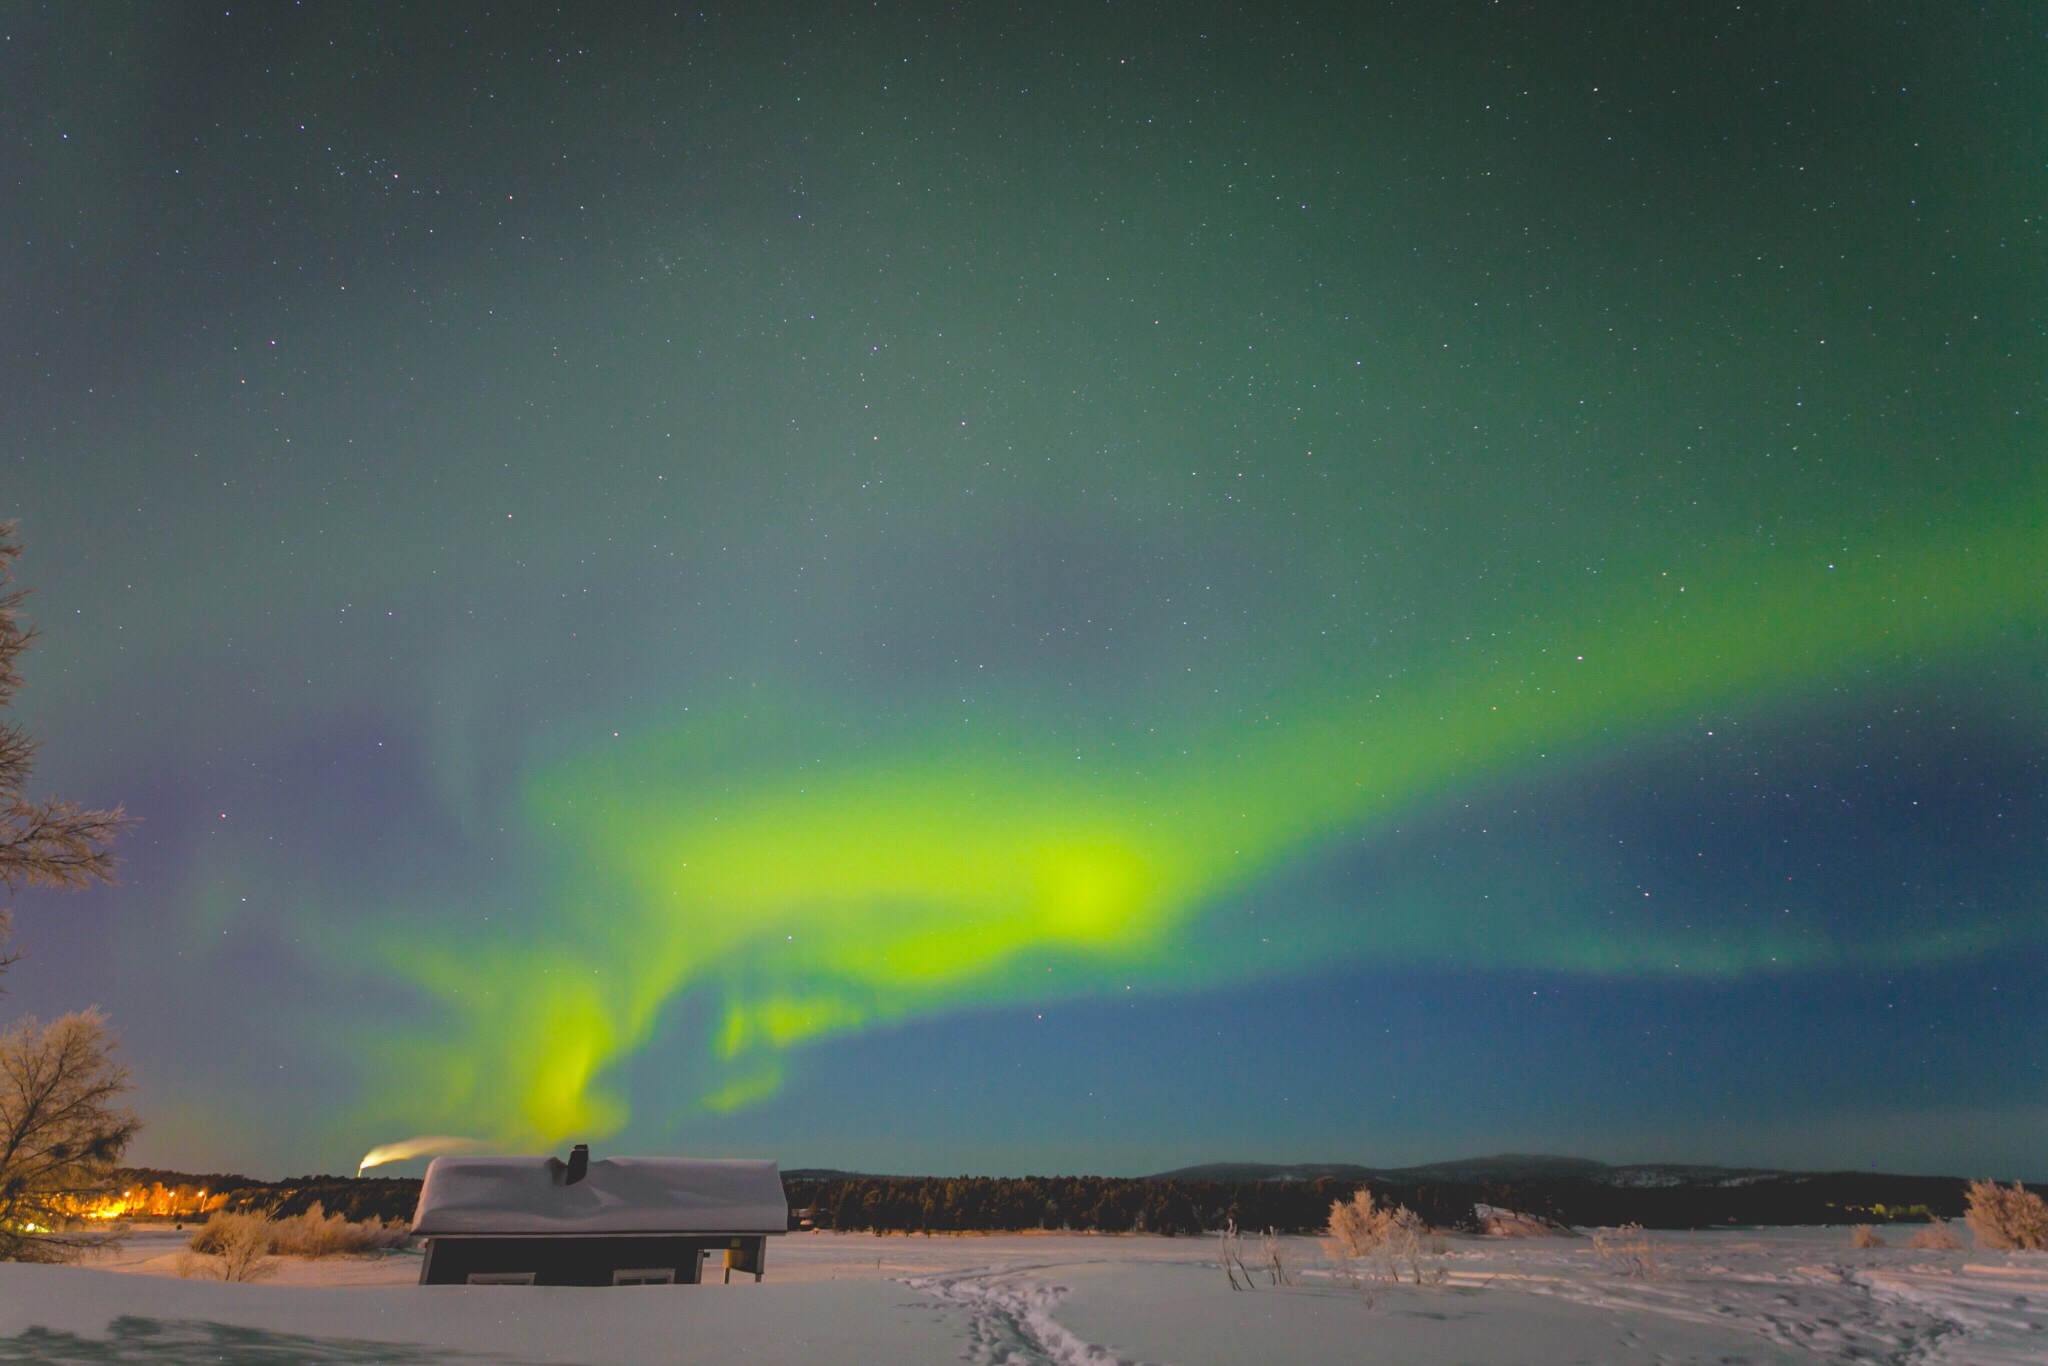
column 1080, row 587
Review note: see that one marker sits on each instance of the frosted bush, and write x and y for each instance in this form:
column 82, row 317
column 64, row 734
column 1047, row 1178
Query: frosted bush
column 2007, row 1218
column 1230, row 1254
column 1392, row 1241
column 1628, row 1250
column 1357, row 1227
column 1273, row 1253
column 238, row 1242
column 317, row 1233
column 234, row 1247
column 1936, row 1237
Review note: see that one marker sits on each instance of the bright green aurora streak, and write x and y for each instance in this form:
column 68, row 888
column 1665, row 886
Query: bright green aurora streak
column 806, row 885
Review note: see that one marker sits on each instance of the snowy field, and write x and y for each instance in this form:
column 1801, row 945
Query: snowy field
column 1749, row 1296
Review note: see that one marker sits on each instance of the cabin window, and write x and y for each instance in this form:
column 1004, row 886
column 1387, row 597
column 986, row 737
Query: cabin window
column 644, row 1275
column 501, row 1278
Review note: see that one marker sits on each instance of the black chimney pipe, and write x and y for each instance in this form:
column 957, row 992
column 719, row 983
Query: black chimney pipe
column 579, row 1164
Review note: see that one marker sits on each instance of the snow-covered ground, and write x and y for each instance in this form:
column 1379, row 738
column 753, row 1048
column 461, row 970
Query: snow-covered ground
column 1749, row 1296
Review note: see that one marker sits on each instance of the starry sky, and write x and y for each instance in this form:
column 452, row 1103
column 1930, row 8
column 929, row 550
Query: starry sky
column 1079, row 587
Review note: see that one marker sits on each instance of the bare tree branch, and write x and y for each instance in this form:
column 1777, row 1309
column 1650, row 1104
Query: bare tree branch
column 42, row 844
column 55, row 843
column 62, row 1127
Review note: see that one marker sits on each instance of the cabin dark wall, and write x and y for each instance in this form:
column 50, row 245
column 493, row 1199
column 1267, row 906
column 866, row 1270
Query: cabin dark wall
column 571, row 1260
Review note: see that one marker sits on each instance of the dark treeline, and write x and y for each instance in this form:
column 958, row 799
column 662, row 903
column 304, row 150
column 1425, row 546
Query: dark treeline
column 987, row 1204
column 962, row 1204
column 188, row 1196
column 1167, row 1205
column 353, row 1197
column 1815, row 1198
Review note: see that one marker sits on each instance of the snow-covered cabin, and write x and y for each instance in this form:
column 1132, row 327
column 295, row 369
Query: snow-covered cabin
column 615, row 1221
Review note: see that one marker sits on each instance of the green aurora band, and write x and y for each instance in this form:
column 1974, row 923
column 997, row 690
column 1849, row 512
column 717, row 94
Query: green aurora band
column 802, row 880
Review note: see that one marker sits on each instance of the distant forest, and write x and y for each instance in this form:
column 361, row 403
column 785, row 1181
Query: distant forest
column 1158, row 1205
column 1176, row 1206
column 152, row 1193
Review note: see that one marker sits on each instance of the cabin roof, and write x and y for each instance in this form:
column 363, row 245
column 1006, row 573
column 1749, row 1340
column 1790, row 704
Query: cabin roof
column 528, row 1195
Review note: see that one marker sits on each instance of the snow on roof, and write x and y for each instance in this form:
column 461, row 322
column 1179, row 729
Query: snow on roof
column 619, row 1195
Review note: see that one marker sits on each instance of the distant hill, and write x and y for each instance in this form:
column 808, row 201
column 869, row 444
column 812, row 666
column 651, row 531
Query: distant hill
column 1503, row 1168
column 1267, row 1171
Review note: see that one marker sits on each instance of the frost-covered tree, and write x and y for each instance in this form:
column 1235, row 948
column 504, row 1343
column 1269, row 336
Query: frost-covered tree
column 62, row 1127
column 62, row 1133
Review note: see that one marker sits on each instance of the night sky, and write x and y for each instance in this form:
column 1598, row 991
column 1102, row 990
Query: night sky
column 1060, row 587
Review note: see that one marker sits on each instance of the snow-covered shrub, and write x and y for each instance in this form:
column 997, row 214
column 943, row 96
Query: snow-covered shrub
column 1628, row 1250
column 1273, row 1253
column 2007, row 1218
column 1936, row 1237
column 1230, row 1255
column 317, row 1233
column 235, row 1247
column 1357, row 1226
column 1393, row 1241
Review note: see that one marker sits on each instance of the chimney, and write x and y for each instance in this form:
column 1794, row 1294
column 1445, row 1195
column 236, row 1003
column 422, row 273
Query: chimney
column 579, row 1164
